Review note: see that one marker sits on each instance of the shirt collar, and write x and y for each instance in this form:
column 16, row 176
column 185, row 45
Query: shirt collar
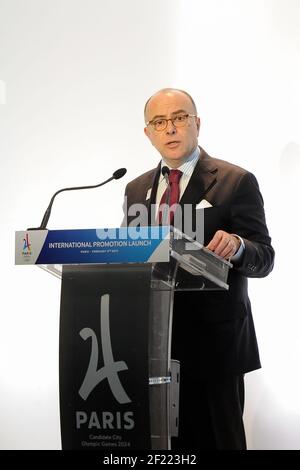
column 189, row 164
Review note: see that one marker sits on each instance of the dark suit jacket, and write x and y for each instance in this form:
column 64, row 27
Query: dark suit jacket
column 213, row 332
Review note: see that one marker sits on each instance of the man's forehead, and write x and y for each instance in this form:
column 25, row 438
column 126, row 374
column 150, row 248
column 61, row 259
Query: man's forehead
column 163, row 103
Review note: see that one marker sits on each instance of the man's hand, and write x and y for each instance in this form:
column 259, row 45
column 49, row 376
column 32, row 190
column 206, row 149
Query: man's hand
column 224, row 244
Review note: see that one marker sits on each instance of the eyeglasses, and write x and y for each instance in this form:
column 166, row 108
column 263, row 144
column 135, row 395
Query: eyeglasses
column 178, row 121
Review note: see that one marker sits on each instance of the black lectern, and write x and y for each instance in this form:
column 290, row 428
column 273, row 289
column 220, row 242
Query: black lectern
column 119, row 388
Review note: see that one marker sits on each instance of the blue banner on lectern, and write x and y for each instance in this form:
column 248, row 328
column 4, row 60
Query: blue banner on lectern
column 88, row 246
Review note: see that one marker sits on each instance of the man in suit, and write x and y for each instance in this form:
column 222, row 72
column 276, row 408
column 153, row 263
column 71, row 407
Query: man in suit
column 213, row 331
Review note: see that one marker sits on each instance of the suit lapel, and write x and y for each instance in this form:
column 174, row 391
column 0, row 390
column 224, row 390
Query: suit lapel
column 203, row 179
column 152, row 185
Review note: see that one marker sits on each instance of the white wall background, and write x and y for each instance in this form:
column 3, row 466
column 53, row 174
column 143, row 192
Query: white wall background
column 74, row 76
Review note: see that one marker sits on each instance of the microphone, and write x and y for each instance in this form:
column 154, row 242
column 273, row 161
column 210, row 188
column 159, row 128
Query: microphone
column 165, row 171
column 116, row 175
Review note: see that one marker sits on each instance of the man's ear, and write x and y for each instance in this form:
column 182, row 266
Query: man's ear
column 198, row 123
column 148, row 133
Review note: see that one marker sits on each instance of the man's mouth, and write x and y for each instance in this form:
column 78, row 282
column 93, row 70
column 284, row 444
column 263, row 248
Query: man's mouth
column 172, row 143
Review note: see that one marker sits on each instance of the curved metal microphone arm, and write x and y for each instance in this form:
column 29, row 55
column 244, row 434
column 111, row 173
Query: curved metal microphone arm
column 116, row 175
column 49, row 208
column 165, row 171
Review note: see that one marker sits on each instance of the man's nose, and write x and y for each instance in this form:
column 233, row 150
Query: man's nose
column 170, row 129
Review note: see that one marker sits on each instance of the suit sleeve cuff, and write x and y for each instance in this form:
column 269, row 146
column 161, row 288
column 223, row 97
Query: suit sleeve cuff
column 237, row 256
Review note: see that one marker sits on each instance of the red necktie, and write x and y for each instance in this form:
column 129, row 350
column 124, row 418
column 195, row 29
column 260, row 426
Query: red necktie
column 173, row 189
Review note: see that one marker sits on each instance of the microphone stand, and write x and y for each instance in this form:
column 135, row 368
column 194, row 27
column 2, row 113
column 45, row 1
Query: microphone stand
column 165, row 218
column 116, row 175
